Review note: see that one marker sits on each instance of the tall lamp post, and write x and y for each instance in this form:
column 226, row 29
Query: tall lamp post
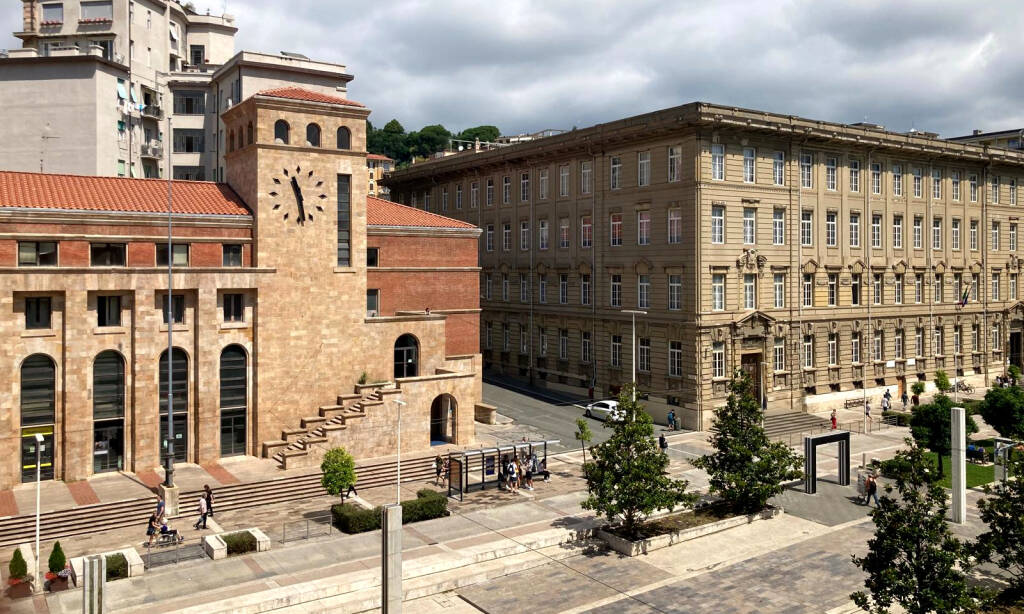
column 634, row 313
column 398, row 461
column 39, row 459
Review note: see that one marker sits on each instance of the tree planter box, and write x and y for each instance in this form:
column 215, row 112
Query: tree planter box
column 131, row 556
column 217, row 549
column 643, row 546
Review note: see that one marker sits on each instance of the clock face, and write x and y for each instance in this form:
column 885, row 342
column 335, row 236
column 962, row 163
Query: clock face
column 291, row 191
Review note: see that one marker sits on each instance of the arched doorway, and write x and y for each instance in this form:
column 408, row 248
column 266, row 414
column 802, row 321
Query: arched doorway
column 38, row 411
column 442, row 420
column 179, row 381
column 407, row 351
column 108, row 412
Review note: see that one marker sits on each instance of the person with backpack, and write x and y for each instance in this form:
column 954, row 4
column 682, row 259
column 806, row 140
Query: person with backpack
column 872, row 490
column 208, row 495
column 663, row 444
column 672, row 419
column 513, row 477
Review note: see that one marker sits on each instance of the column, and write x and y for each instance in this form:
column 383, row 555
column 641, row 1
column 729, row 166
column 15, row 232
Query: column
column 958, row 460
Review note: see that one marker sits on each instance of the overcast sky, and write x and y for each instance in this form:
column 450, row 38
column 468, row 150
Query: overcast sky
column 946, row 67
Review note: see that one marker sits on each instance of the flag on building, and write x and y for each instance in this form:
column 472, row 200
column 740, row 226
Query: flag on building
column 966, row 295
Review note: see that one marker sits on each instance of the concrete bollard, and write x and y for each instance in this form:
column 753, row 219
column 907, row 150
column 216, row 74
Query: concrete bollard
column 95, row 585
column 391, row 559
column 958, row 460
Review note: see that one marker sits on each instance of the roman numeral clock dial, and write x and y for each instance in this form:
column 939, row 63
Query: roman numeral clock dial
column 290, row 192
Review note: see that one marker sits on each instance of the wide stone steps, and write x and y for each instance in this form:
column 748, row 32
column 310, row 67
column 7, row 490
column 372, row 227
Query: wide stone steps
column 780, row 425
column 135, row 512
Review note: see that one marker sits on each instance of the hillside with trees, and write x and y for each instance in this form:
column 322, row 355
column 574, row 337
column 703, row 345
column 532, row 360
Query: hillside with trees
column 394, row 142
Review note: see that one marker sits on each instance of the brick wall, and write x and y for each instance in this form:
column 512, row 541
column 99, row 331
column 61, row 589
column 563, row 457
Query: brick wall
column 415, row 291
column 206, row 255
column 141, row 254
column 395, row 251
column 8, row 252
column 73, row 253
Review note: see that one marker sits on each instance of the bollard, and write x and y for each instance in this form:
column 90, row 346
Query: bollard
column 958, row 460
column 95, row 584
column 391, row 559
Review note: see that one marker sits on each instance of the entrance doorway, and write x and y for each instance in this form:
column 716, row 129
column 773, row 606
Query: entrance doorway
column 442, row 420
column 108, row 446
column 751, row 364
column 406, row 356
column 28, row 454
column 901, row 386
column 1016, row 349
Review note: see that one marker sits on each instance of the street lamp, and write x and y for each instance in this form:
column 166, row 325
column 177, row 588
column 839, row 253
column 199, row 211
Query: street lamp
column 634, row 313
column 39, row 467
column 398, row 461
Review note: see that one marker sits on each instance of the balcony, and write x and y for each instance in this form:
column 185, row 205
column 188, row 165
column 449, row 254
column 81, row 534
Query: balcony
column 153, row 149
column 153, row 111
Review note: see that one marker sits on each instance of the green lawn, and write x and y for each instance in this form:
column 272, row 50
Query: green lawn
column 976, row 474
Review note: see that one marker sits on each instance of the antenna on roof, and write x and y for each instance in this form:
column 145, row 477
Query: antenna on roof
column 42, row 148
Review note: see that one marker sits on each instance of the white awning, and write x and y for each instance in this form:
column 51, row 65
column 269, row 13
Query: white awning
column 174, row 33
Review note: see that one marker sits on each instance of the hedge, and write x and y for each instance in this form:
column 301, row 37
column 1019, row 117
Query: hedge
column 427, row 505
column 117, row 566
column 239, row 543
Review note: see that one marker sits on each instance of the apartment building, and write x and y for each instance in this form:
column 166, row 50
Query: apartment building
column 829, row 261
column 378, row 166
column 291, row 288
column 122, row 87
column 1007, row 139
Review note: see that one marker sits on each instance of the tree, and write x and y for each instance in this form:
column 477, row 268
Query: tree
column 484, row 133
column 746, row 468
column 389, row 141
column 628, row 478
column 428, row 140
column 931, row 428
column 1003, row 410
column 339, row 470
column 914, row 560
column 57, row 559
column 1014, row 372
column 17, row 568
column 942, row 381
column 1003, row 511
column 583, row 435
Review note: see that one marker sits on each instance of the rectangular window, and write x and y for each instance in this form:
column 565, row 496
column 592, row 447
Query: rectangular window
column 584, row 289
column 749, row 291
column 918, row 223
column 936, row 233
column 749, row 225
column 808, row 294
column 542, row 338
column 957, row 286
column 973, row 181
column 444, row 199
column 37, row 312
column 643, row 291
column 643, row 227
column 718, row 292
column 616, row 291
column 474, row 195
column 806, row 178
column 830, row 228
column 958, row 334
column 954, row 177
column 524, row 187
column 879, row 346
column 585, row 347
column 995, row 286
column 489, row 238
column 994, row 198
column 936, row 184
column 898, row 288
column 833, row 349
column 675, row 292
column 586, row 232
column 995, row 236
column 563, row 289
column 974, row 235
column 506, row 190
column 855, row 348
column 918, row 181
column 940, row 341
column 487, row 335
column 189, row 102
column 779, row 168
column 178, row 250
column 898, row 339
column 748, row 165
column 542, row 234
column 1013, row 236
column 830, row 173
column 344, row 220
column 524, row 236
column 779, row 286
column 675, row 226
column 808, row 352
column 234, row 310
column 876, row 178
column 718, row 162
column 489, row 193
column 99, row 10
column 106, row 254
column 177, row 306
column 458, row 196
column 955, row 240
column 876, row 231
column 855, row 175
column 563, row 180
column 188, row 140
column 675, row 359
column 616, row 351
column 542, row 180
column 524, row 289
column 504, row 287
column 643, row 362
column 675, row 163
column 833, row 289
column 779, row 354
column 778, row 227
column 919, row 341
column 586, row 177
column 643, row 168
column 37, row 253
column 897, row 232
column 938, row 290
column 506, row 338
column 542, row 289
column 487, row 286
column 524, row 340
column 563, row 233
column 855, row 284
column 854, row 230
column 897, row 180
column 231, row 255
column 918, row 288
column 1013, row 191
column 506, row 237
column 718, row 360
column 1013, row 287
column 615, row 174
column 718, row 224
column 53, row 13
column 877, row 289
column 806, row 228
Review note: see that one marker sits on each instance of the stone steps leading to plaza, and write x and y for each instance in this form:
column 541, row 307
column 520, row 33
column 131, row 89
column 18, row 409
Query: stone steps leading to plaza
column 135, row 512
column 780, row 425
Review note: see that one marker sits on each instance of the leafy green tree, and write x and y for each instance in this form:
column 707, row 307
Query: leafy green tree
column 746, row 468
column 17, row 568
column 917, row 388
column 339, row 472
column 1003, row 410
column 429, row 140
column 931, row 428
column 1003, row 511
column 57, row 559
column 628, row 477
column 390, row 141
column 914, row 560
column 484, row 133
column 1014, row 372
column 942, row 381
column 583, row 435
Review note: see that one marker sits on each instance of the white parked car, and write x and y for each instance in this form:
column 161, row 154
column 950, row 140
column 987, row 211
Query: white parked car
column 603, row 410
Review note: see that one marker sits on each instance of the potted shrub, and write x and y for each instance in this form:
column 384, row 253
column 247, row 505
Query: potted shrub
column 55, row 564
column 17, row 569
column 918, row 389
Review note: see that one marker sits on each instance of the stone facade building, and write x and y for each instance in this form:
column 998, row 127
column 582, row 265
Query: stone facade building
column 378, row 166
column 301, row 308
column 830, row 261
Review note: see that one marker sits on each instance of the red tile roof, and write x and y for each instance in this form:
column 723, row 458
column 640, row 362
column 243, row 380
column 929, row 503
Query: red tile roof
column 386, row 213
column 372, row 156
column 81, row 193
column 297, row 93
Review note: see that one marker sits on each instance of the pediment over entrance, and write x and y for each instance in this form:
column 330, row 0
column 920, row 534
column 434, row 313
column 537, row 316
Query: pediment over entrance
column 1015, row 310
column 975, row 267
column 754, row 324
column 857, row 267
column 643, row 266
column 811, row 266
column 940, row 267
column 900, row 267
column 542, row 268
column 583, row 267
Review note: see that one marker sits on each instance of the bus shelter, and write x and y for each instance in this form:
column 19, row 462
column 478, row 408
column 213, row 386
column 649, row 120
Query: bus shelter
column 471, row 470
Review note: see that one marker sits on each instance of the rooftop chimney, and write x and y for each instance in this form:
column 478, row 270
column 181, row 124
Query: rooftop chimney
column 976, row 132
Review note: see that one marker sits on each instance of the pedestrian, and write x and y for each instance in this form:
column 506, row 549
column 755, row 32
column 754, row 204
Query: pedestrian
column 513, row 478
column 152, row 527
column 867, row 410
column 672, row 419
column 520, row 474
column 663, row 443
column 872, row 490
column 208, row 495
column 160, row 506
column 905, row 399
column 887, row 395
column 885, row 404
column 446, row 470
column 528, row 474
column 172, row 533
column 542, row 470
column 834, row 420
column 202, row 510
column 438, row 467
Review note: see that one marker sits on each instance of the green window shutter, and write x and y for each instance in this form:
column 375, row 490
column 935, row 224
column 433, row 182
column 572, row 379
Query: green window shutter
column 134, row 97
column 120, row 125
column 135, row 171
column 121, row 93
column 120, row 168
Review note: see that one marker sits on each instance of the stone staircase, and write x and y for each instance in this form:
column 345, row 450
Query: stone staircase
column 780, row 425
column 296, row 445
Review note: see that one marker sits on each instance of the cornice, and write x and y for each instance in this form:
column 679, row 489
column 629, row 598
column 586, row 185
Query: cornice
column 421, row 231
column 120, row 218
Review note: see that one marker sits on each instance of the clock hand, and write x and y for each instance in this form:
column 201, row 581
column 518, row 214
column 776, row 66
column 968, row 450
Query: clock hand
column 298, row 199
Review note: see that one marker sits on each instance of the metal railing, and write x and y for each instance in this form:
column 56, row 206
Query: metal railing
column 159, row 554
column 863, row 426
column 313, row 525
column 153, row 110
column 152, row 150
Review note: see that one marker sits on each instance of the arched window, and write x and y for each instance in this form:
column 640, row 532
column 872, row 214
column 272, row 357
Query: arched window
column 38, row 394
column 344, row 138
column 406, row 356
column 442, row 420
column 108, row 412
column 233, row 386
column 281, row 132
column 179, row 389
column 313, row 135
column 248, row 134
